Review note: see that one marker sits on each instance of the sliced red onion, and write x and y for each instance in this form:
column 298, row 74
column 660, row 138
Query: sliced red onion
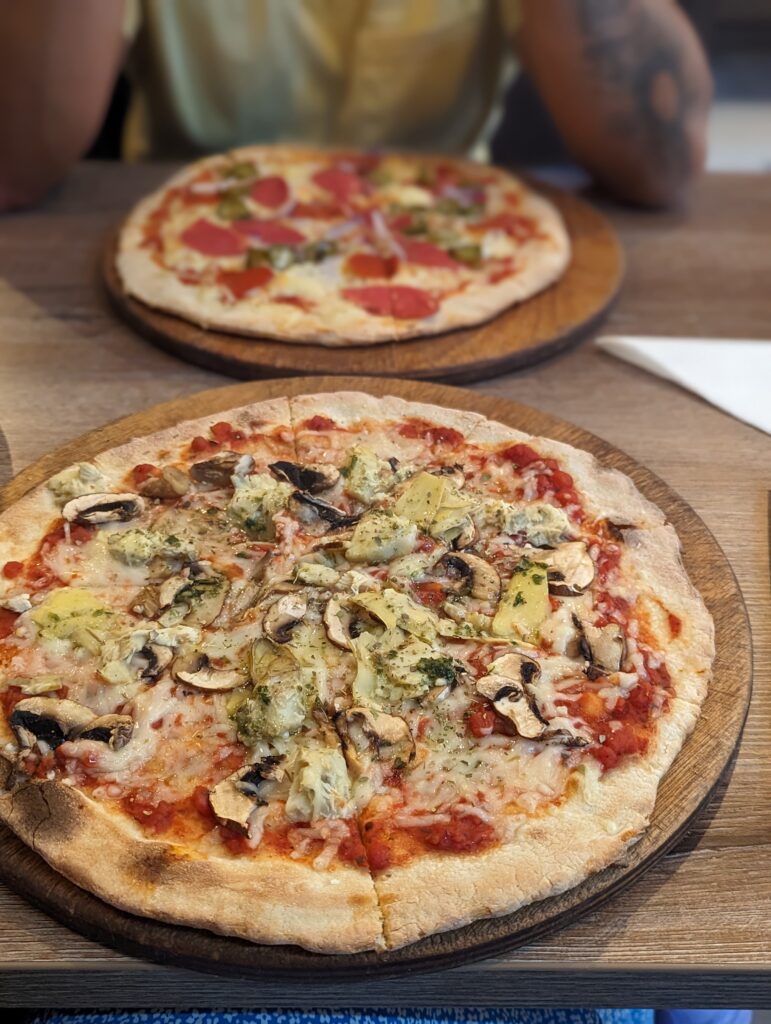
column 382, row 232
column 208, row 188
column 466, row 196
column 341, row 229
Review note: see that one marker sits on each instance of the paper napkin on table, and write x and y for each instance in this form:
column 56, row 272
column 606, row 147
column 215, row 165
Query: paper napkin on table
column 733, row 375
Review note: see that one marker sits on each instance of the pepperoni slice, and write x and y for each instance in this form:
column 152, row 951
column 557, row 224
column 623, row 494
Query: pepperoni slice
column 316, row 211
column 516, row 225
column 397, row 300
column 240, row 282
column 212, row 240
column 272, row 232
column 426, row 254
column 271, row 192
column 368, row 264
column 294, row 300
column 341, row 184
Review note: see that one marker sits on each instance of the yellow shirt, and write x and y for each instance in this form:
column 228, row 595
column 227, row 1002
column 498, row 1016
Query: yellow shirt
column 211, row 74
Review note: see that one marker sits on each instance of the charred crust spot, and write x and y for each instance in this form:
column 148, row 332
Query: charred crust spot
column 151, row 863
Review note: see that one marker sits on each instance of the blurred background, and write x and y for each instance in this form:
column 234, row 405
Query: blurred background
column 737, row 37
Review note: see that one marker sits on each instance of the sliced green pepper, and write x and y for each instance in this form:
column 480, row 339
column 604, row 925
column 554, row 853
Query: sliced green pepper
column 469, row 254
column 232, row 207
column 242, row 170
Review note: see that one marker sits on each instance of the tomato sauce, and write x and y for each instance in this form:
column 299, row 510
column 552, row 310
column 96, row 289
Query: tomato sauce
column 675, row 625
column 319, row 423
column 388, row 845
column 7, row 622
column 38, row 574
column 430, row 593
column 417, row 428
column 222, row 433
column 9, row 698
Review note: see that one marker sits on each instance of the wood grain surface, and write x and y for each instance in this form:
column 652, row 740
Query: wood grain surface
column 527, row 333
column 696, row 929
column 682, row 794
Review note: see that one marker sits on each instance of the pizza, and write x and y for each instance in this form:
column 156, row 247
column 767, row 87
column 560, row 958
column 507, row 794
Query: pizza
column 340, row 671
column 339, row 247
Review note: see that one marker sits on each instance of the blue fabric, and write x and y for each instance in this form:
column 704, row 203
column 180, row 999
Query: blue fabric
column 406, row 1016
column 703, row 1016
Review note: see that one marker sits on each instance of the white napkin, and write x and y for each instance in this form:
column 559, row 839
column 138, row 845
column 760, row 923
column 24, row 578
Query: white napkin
column 733, row 375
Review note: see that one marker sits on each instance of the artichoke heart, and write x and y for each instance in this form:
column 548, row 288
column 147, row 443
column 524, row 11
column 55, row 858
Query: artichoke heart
column 139, row 547
column 436, row 505
column 525, row 604
column 76, row 615
column 381, row 537
column 396, row 609
column 75, row 482
column 366, row 475
column 320, row 785
column 280, row 698
column 540, row 523
column 256, row 499
column 402, row 662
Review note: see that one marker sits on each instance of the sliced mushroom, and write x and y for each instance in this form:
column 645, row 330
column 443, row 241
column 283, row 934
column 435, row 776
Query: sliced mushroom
column 518, row 667
column 114, row 730
column 329, row 513
column 472, row 575
column 467, row 535
column 604, row 647
column 172, row 483
column 386, row 730
column 283, row 615
column 48, row 719
column 567, row 737
column 168, row 590
column 616, row 530
column 361, row 728
column 337, row 622
column 152, row 660
column 242, row 595
column 217, row 471
column 333, row 542
column 195, row 669
column 310, row 479
column 235, row 798
column 511, row 700
column 92, row 509
column 570, row 569
column 200, row 589
column 456, row 474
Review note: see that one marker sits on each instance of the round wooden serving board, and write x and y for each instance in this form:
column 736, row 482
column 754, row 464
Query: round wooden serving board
column 522, row 335
column 683, row 792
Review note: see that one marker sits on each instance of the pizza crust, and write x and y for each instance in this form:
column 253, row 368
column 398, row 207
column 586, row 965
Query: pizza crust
column 548, row 855
column 337, row 323
column 263, row 898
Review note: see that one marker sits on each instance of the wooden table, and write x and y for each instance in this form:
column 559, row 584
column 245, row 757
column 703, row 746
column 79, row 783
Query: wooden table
column 696, row 930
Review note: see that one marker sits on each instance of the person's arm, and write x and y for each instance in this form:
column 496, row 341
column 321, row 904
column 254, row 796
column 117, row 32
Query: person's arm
column 58, row 63
column 628, row 87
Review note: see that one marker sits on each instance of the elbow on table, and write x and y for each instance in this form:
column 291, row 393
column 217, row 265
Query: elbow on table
column 21, row 188
column 662, row 174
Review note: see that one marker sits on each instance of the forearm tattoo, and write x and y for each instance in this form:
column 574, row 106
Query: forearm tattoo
column 640, row 67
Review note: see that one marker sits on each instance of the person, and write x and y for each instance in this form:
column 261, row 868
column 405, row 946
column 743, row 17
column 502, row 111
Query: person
column 625, row 82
